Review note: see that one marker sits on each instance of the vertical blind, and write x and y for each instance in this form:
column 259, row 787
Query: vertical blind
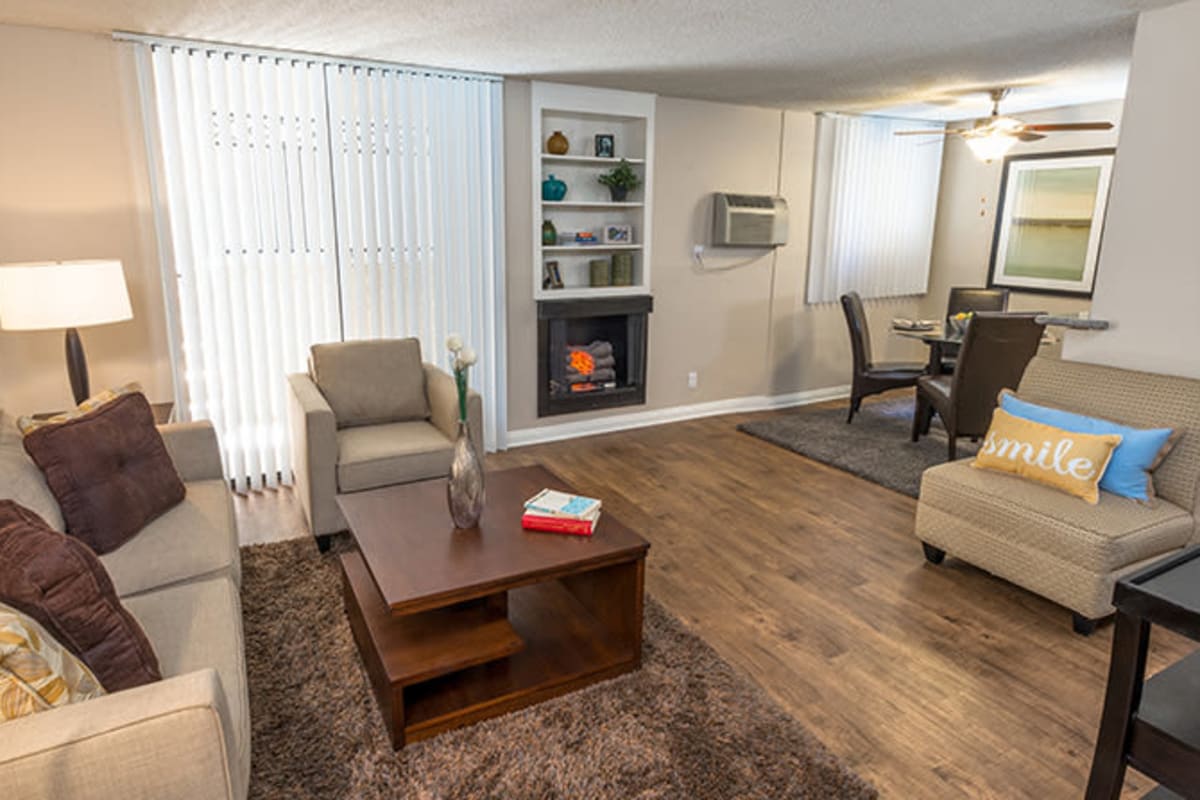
column 304, row 200
column 874, row 202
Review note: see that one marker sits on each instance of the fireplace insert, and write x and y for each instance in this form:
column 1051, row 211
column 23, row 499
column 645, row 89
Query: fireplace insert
column 591, row 353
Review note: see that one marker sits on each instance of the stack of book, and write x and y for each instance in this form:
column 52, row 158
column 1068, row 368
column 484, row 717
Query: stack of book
column 559, row 512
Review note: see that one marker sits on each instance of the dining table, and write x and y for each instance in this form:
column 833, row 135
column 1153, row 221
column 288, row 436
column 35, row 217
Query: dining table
column 939, row 338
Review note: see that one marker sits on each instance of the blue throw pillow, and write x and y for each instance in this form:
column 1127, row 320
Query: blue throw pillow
column 1128, row 472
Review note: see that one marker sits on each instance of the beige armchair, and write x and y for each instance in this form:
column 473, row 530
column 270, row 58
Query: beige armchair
column 370, row 414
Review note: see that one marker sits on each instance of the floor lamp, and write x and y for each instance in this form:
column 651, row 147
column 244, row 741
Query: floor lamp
column 64, row 295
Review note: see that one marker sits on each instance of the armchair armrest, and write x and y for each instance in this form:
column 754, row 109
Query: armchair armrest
column 164, row 739
column 194, row 448
column 314, row 454
column 443, row 406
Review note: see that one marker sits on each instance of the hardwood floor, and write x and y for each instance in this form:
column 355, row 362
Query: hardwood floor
column 931, row 682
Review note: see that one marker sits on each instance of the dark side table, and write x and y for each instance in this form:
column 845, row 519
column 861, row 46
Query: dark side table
column 1152, row 725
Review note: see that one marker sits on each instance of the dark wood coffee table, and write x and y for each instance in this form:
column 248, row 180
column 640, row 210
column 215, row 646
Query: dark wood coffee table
column 458, row 626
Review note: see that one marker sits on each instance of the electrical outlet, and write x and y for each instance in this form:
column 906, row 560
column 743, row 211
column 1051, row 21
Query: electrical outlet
column 693, row 380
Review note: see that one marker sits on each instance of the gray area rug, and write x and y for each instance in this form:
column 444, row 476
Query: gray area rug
column 875, row 446
column 684, row 726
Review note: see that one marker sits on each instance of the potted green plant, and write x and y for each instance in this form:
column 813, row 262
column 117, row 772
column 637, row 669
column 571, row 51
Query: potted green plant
column 620, row 180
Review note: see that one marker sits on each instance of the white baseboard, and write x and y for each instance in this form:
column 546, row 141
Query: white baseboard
column 661, row 416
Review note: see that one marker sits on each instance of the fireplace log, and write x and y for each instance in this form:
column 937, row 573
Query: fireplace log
column 596, row 349
column 607, row 362
column 598, row 376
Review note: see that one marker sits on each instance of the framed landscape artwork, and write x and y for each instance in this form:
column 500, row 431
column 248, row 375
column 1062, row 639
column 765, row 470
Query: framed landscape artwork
column 1049, row 221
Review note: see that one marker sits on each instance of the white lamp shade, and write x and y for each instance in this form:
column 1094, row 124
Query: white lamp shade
column 69, row 294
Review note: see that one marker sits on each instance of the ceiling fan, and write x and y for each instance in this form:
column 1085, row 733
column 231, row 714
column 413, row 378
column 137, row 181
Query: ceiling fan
column 992, row 137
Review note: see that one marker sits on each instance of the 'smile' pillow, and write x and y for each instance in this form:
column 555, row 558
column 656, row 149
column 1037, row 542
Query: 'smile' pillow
column 36, row 672
column 109, row 470
column 1070, row 462
column 1140, row 452
column 60, row 582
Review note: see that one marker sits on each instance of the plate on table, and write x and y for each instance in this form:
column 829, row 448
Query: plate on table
column 902, row 324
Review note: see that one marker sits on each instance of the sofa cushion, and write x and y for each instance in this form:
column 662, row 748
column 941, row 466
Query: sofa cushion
column 195, row 538
column 195, row 625
column 372, row 381
column 109, row 471
column 21, row 479
column 59, row 581
column 1139, row 399
column 36, row 672
column 1141, row 449
column 1101, row 538
column 382, row 455
column 1069, row 462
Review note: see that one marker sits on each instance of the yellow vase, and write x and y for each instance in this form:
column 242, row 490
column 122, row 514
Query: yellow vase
column 557, row 144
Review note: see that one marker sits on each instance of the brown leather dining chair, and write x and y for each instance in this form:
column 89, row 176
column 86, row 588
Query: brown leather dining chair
column 970, row 298
column 995, row 351
column 871, row 378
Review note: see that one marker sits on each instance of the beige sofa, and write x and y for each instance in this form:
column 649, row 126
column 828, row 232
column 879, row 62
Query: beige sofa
column 334, row 454
column 1051, row 543
column 187, row 736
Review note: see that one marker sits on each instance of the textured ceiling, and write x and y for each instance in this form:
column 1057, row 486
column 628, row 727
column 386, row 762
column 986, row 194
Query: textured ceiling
column 833, row 54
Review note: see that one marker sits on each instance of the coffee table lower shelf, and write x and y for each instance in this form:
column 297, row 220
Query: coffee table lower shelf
column 437, row 670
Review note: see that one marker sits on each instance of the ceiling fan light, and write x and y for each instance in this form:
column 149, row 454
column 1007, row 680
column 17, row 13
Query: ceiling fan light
column 991, row 146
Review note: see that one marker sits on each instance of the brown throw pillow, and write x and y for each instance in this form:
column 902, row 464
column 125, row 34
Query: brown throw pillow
column 61, row 583
column 109, row 471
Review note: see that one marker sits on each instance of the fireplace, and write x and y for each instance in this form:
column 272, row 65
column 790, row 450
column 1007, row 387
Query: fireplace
column 591, row 353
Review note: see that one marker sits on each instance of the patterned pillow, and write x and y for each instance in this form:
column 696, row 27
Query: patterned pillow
column 1070, row 462
column 36, row 672
column 28, row 425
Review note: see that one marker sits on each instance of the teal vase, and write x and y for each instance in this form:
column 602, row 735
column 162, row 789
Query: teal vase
column 553, row 189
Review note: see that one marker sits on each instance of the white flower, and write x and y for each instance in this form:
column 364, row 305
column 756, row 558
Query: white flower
column 454, row 343
column 466, row 358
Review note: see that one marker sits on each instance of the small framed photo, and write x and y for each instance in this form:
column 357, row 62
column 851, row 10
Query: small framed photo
column 551, row 276
column 618, row 233
column 605, row 145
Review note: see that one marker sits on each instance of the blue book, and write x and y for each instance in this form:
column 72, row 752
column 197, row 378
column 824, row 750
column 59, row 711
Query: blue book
column 551, row 503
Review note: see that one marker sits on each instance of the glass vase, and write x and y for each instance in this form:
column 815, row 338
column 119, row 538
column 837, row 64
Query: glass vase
column 464, row 487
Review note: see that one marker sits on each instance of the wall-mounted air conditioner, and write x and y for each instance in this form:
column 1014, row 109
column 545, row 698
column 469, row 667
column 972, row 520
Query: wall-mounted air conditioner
column 749, row 220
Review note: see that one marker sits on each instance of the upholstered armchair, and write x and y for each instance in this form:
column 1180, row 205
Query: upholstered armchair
column 370, row 414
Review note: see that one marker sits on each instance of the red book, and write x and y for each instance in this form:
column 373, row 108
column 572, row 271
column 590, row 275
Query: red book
column 534, row 522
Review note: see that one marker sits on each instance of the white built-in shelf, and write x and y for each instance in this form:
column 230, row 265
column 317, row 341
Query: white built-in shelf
column 587, row 204
column 588, row 160
column 594, row 248
column 581, row 113
column 584, row 292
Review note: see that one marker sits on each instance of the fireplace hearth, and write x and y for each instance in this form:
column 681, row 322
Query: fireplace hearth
column 591, row 353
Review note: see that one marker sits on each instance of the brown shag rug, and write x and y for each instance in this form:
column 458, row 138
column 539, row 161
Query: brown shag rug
column 684, row 726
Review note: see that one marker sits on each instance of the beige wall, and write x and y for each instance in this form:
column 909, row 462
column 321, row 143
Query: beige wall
column 73, row 185
column 746, row 331
column 966, row 219
column 1148, row 284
